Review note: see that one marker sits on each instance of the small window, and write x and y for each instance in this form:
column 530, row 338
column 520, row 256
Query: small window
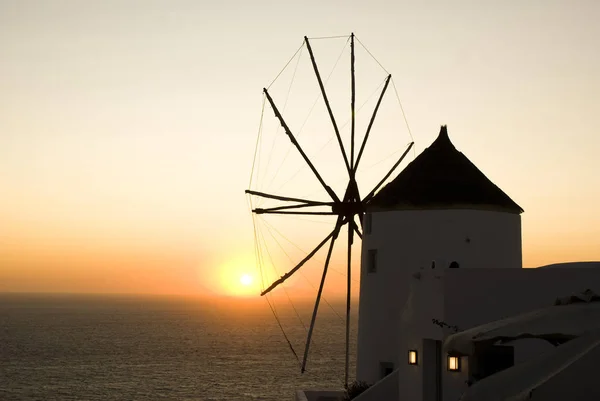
column 372, row 261
column 386, row 368
column 368, row 223
column 454, row 265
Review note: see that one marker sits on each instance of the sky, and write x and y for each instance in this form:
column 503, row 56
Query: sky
column 128, row 128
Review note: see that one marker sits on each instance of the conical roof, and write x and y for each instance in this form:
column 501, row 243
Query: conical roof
column 442, row 178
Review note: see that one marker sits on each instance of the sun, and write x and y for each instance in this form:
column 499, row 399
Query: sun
column 236, row 278
column 246, row 279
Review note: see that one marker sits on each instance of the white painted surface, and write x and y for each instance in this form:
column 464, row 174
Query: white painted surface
column 579, row 382
column 572, row 320
column 409, row 239
column 567, row 372
column 385, row 389
column 477, row 296
column 470, row 297
column 429, row 362
column 425, row 299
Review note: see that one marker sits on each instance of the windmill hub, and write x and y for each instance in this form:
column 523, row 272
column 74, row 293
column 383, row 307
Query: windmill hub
column 348, row 208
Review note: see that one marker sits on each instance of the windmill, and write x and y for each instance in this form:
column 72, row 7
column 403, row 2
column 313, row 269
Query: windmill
column 347, row 207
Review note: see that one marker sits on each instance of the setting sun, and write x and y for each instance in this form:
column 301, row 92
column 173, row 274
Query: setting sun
column 237, row 278
column 246, row 279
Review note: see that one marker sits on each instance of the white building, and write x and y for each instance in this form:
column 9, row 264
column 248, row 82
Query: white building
column 442, row 252
column 439, row 210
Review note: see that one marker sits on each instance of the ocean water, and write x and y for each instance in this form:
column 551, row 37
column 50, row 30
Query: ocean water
column 74, row 347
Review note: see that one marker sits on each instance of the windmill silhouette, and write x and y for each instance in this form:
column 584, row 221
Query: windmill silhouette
column 347, row 207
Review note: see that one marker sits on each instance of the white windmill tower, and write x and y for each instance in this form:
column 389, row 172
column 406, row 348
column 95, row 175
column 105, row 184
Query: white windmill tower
column 439, row 212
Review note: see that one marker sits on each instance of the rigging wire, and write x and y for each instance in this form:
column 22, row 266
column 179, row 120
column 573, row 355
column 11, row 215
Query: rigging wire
column 308, row 195
column 402, row 108
column 271, row 304
column 256, row 243
column 370, row 54
column 309, row 282
column 286, row 65
column 287, row 98
column 395, row 90
column 303, row 167
column 302, row 250
column 292, row 217
column 283, row 331
column 329, row 37
column 256, row 250
column 256, row 148
column 314, row 104
column 309, row 113
column 385, row 158
column 304, row 276
column 365, row 102
column 259, row 257
column 283, row 286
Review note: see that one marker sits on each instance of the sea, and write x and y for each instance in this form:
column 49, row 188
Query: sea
column 126, row 347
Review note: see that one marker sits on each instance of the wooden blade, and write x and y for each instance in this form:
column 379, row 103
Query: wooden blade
column 352, row 102
column 357, row 230
column 372, row 193
column 322, row 87
column 287, row 198
column 267, row 211
column 361, row 218
column 348, row 299
column 319, row 293
column 277, row 208
column 297, row 145
column 299, row 265
column 364, row 142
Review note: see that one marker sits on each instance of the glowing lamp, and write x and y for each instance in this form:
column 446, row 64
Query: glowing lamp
column 412, row 357
column 453, row 363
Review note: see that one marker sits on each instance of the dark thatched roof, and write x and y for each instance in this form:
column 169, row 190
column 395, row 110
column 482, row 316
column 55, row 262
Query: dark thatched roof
column 442, row 178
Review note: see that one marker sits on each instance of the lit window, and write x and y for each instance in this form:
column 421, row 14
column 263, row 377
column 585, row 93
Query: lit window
column 372, row 261
column 453, row 363
column 368, row 223
column 412, row 357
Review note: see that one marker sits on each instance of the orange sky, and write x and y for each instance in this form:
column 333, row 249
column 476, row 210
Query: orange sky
column 127, row 129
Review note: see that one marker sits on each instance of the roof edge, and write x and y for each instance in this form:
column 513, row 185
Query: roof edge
column 440, row 207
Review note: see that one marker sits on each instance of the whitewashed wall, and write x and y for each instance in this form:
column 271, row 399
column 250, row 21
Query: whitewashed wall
column 477, row 296
column 425, row 299
column 410, row 239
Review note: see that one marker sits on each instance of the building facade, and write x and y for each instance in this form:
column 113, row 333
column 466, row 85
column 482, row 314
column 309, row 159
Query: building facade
column 439, row 212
